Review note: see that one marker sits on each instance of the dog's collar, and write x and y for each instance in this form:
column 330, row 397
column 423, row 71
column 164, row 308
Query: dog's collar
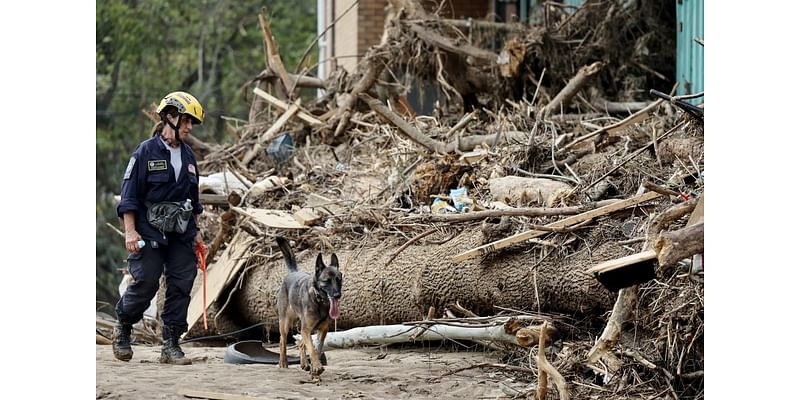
column 319, row 293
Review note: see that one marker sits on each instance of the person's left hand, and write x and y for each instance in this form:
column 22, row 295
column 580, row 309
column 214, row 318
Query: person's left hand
column 198, row 238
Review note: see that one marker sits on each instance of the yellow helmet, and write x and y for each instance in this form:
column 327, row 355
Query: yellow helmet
column 185, row 103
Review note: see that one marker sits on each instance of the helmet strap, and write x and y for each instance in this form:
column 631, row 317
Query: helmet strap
column 174, row 127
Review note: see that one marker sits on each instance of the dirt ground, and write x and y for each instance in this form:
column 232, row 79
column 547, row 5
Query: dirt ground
column 403, row 373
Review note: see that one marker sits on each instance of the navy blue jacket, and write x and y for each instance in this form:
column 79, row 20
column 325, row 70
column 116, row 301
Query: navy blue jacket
column 150, row 177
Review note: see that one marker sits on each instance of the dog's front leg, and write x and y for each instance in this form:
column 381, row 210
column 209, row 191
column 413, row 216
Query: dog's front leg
column 303, row 361
column 322, row 331
column 316, row 366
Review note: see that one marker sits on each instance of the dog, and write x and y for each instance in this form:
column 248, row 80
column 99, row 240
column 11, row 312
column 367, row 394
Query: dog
column 314, row 299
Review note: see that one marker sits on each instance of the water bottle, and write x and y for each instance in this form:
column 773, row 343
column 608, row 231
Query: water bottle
column 186, row 214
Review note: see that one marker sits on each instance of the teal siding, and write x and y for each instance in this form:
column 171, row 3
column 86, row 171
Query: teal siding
column 689, row 67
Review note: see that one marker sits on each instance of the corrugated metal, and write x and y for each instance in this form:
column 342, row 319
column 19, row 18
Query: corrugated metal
column 689, row 68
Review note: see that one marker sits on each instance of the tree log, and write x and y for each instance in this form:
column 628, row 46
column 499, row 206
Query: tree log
column 375, row 294
column 564, row 97
column 677, row 245
column 388, row 334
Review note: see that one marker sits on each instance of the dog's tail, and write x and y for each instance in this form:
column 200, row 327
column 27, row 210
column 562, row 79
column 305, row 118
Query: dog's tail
column 288, row 255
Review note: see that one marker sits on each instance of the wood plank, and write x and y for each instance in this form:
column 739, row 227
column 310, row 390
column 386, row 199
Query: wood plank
column 566, row 222
column 201, row 394
column 284, row 106
column 697, row 214
column 623, row 261
column 271, row 218
column 220, row 275
column 214, row 199
column 306, row 216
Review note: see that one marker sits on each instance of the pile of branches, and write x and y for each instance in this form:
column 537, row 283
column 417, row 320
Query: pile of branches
column 536, row 107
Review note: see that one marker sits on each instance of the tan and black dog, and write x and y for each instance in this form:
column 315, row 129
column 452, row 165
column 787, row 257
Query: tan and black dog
column 314, row 299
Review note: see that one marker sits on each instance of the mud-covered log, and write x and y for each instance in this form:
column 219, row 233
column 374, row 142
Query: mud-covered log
column 422, row 276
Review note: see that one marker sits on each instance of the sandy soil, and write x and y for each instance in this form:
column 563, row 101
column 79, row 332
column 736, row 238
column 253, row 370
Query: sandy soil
column 362, row 373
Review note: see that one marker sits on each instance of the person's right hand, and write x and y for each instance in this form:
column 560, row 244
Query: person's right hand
column 132, row 239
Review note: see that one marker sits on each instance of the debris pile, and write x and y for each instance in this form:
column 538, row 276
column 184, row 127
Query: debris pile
column 542, row 158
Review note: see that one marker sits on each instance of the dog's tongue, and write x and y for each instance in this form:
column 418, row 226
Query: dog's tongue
column 334, row 310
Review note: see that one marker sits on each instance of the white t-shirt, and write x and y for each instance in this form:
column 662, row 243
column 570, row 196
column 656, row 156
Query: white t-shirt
column 174, row 159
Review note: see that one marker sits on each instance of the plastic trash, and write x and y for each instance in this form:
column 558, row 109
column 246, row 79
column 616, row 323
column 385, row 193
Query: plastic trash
column 281, row 148
column 460, row 200
column 441, row 206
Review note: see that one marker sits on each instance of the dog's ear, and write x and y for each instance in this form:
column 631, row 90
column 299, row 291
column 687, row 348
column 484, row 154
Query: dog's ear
column 320, row 263
column 334, row 261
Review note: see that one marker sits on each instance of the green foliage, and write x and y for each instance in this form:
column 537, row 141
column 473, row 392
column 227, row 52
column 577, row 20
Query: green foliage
column 148, row 48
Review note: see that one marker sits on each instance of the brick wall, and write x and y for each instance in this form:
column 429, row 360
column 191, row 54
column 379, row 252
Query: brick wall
column 460, row 9
column 371, row 16
column 362, row 27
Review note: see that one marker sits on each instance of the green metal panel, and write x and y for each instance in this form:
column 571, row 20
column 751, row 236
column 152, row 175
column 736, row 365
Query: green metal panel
column 689, row 68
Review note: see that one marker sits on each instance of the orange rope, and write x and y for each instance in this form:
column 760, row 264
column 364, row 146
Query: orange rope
column 200, row 251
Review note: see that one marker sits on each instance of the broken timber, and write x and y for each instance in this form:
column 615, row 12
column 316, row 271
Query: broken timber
column 220, row 275
column 625, row 271
column 566, row 222
column 285, row 107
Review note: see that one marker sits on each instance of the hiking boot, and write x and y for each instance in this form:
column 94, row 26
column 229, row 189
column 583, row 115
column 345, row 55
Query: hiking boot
column 121, row 341
column 171, row 353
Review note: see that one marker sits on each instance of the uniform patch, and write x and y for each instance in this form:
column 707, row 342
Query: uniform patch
column 129, row 169
column 157, row 165
column 192, row 170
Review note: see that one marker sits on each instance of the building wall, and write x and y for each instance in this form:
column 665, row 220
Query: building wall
column 362, row 26
column 345, row 46
column 689, row 64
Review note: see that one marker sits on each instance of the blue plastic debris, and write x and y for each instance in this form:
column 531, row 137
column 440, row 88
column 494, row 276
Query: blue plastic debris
column 281, row 148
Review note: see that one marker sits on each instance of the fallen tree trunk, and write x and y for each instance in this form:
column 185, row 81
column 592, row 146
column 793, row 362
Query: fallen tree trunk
column 422, row 276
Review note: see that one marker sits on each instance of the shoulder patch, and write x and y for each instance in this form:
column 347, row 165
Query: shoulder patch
column 129, row 169
column 156, row 165
column 192, row 170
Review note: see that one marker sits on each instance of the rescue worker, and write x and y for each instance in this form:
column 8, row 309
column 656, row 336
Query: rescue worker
column 159, row 207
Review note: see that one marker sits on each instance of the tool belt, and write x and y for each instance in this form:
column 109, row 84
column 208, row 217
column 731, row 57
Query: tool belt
column 169, row 216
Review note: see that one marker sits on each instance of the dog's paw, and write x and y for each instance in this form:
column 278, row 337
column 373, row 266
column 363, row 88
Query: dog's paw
column 317, row 371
